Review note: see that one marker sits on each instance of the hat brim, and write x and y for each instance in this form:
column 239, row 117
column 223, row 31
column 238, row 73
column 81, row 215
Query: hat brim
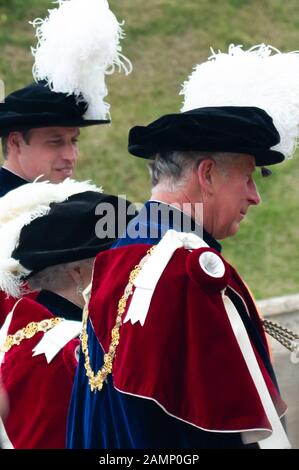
column 69, row 232
column 36, row 106
column 64, row 256
column 269, row 157
column 224, row 129
column 23, row 123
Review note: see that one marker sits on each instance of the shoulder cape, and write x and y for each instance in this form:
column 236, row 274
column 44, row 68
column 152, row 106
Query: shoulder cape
column 38, row 391
column 185, row 357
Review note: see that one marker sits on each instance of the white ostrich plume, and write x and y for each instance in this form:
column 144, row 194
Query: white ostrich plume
column 78, row 44
column 261, row 76
column 20, row 207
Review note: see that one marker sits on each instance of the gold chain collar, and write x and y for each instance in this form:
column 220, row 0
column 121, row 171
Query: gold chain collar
column 28, row 332
column 96, row 380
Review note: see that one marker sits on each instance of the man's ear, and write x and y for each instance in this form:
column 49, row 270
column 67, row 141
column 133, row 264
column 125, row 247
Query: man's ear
column 205, row 173
column 14, row 140
column 75, row 273
column 81, row 273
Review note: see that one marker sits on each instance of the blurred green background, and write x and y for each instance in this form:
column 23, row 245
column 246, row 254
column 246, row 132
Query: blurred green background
column 164, row 40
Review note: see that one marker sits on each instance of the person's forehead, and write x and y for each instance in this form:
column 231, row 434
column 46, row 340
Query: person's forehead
column 45, row 132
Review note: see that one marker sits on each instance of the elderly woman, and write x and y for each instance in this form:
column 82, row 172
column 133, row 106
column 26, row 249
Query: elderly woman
column 49, row 237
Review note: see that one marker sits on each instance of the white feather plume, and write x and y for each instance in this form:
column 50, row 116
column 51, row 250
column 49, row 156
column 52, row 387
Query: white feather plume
column 261, row 76
column 78, row 44
column 19, row 208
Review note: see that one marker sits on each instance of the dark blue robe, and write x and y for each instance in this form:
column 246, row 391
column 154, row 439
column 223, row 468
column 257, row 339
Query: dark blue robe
column 9, row 181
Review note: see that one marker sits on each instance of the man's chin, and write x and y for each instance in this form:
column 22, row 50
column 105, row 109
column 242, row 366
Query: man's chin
column 234, row 229
column 230, row 232
column 61, row 175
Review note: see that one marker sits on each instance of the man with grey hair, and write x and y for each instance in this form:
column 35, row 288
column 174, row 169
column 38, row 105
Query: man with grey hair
column 168, row 388
column 174, row 353
column 187, row 180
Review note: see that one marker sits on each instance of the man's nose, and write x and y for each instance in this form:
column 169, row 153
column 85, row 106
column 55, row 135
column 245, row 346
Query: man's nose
column 254, row 196
column 70, row 153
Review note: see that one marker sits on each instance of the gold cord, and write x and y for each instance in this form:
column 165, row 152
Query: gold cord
column 285, row 336
column 96, row 380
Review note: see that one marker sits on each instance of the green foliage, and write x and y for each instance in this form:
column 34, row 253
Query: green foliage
column 164, row 40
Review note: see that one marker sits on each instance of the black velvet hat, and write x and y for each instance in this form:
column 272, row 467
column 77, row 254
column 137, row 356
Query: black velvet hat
column 36, row 106
column 233, row 129
column 72, row 230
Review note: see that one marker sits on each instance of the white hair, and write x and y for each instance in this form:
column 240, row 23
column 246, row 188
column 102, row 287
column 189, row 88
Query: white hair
column 170, row 170
column 57, row 277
